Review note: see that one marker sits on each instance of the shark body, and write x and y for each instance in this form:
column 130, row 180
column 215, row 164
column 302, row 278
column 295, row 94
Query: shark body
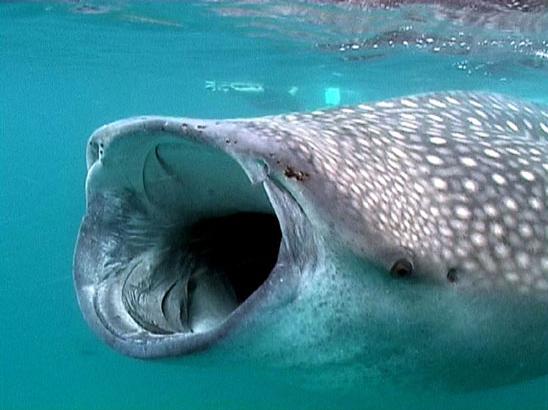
column 406, row 236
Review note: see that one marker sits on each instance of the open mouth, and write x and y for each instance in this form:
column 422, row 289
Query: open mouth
column 205, row 274
column 178, row 245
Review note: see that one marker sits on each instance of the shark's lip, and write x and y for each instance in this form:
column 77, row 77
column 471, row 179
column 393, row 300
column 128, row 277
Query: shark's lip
column 115, row 234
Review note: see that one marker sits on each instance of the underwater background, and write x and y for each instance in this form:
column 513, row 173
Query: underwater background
column 68, row 67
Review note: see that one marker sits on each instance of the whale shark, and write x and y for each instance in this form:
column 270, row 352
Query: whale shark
column 403, row 239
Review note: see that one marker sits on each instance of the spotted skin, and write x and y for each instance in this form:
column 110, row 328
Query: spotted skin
column 455, row 182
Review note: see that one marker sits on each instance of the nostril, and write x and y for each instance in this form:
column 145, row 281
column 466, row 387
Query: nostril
column 93, row 153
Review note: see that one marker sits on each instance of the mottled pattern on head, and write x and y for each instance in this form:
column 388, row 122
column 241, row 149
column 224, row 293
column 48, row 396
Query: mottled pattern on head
column 453, row 179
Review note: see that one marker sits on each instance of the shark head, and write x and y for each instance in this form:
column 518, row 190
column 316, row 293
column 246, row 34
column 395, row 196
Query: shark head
column 403, row 237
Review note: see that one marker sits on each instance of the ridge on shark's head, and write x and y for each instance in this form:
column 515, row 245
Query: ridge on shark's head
column 406, row 236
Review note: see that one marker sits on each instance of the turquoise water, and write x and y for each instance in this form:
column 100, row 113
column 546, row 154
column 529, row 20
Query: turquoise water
column 66, row 69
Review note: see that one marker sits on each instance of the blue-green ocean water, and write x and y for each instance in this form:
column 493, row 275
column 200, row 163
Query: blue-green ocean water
column 67, row 68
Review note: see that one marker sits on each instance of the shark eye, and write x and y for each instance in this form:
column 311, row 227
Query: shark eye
column 452, row 275
column 402, row 268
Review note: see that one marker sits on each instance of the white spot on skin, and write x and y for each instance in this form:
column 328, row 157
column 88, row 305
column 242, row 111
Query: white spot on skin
column 511, row 204
column 513, row 107
column 438, row 140
column 397, row 135
column 439, row 183
column 535, row 203
column 491, row 153
column 499, row 179
column 385, row 104
column 408, row 103
column 470, row 265
column 457, row 225
column 476, row 103
column 408, row 126
column 512, row 126
column 490, row 210
column 400, row 153
column 434, row 160
column 528, row 176
column 474, row 121
column 523, row 260
column 525, row 231
column 478, row 239
column 544, row 263
column 462, row 212
column 502, row 250
column 497, row 230
column 469, row 162
column 544, row 127
column 482, row 114
column 512, row 277
column 419, row 188
column 437, row 103
column 445, row 231
column 434, row 117
column 542, row 285
column 470, row 185
column 482, row 134
column 434, row 211
column 409, row 117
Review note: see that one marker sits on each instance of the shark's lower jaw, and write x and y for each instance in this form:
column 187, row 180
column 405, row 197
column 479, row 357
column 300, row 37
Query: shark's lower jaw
column 178, row 248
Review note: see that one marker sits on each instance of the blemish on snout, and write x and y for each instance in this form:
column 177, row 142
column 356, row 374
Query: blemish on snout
column 201, row 127
column 298, row 175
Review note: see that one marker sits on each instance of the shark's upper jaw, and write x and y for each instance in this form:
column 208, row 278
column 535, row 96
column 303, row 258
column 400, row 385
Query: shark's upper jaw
column 178, row 247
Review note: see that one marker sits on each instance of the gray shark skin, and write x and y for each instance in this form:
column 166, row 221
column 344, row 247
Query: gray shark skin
column 397, row 238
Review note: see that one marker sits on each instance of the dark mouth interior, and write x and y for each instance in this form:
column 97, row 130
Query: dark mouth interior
column 242, row 247
column 205, row 271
